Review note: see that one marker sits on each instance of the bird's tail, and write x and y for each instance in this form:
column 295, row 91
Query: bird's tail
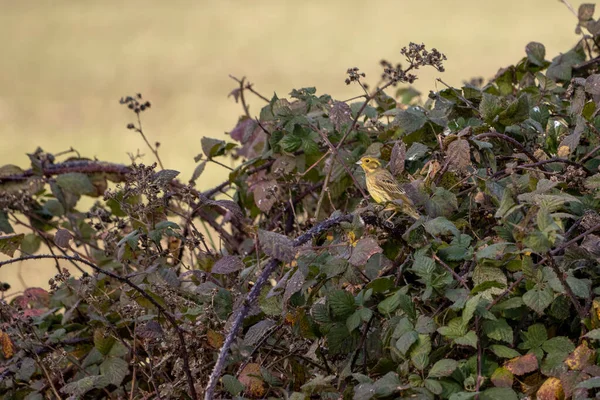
column 411, row 211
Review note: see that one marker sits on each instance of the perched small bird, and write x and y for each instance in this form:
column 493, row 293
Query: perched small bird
column 382, row 186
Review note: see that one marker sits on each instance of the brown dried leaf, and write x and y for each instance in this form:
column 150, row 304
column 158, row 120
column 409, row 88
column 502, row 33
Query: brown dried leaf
column 277, row 246
column 164, row 177
column 551, row 389
column 294, row 284
column 62, row 237
column 227, row 265
column 586, row 12
column 250, row 378
column 215, row 339
column 581, row 357
column 364, row 249
column 229, row 205
column 592, row 84
column 8, row 348
column 340, row 115
column 398, row 158
column 9, row 244
column 198, row 171
column 266, row 194
column 502, row 377
column 459, row 155
column 37, row 297
column 243, row 130
column 151, row 330
column 284, row 164
column 522, row 365
column 236, row 93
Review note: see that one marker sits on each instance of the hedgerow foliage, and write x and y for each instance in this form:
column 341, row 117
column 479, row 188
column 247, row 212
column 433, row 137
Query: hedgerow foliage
column 304, row 289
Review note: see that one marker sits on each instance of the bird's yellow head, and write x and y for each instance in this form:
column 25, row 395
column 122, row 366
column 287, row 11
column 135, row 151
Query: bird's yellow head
column 369, row 164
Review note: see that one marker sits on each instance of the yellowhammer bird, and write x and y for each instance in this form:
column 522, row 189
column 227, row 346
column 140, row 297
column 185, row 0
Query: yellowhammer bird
column 384, row 188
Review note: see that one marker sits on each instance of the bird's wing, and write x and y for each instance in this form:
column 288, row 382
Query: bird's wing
column 390, row 185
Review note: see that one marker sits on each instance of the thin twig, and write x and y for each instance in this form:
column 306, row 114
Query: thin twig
column 508, row 139
column 566, row 287
column 154, row 150
column 454, row 274
column 241, row 91
column 556, row 160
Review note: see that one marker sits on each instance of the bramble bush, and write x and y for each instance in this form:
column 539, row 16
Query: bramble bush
column 285, row 281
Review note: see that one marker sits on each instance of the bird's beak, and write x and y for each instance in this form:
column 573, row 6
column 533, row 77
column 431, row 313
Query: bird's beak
column 359, row 162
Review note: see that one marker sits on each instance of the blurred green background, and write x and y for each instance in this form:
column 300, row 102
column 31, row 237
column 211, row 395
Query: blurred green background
column 65, row 64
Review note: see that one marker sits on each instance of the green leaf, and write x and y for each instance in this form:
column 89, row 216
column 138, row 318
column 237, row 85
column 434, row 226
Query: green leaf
column 212, row 147
column 76, row 183
column 440, row 226
column 590, row 383
column 538, row 298
column 470, row 339
column 341, row 303
column 365, row 314
column 27, row 369
column 558, row 344
column 416, row 151
column 470, row 307
column 442, row 368
column 419, row 354
column 404, row 342
column 387, row 385
column 498, row 393
column 455, row 328
column 517, row 111
column 31, row 243
column 115, row 369
column 232, row 385
column 536, row 52
column 562, row 65
column 538, row 242
column 53, row 207
column 593, row 334
column 339, row 339
column 503, row 351
column 85, row 384
column 462, row 396
column 458, row 250
column 433, row 386
column 388, row 305
column 5, row 225
column 290, row 143
column 425, row 324
column 498, row 330
column 490, row 107
column 354, row 321
column 442, row 203
column 410, row 120
column 534, row 337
